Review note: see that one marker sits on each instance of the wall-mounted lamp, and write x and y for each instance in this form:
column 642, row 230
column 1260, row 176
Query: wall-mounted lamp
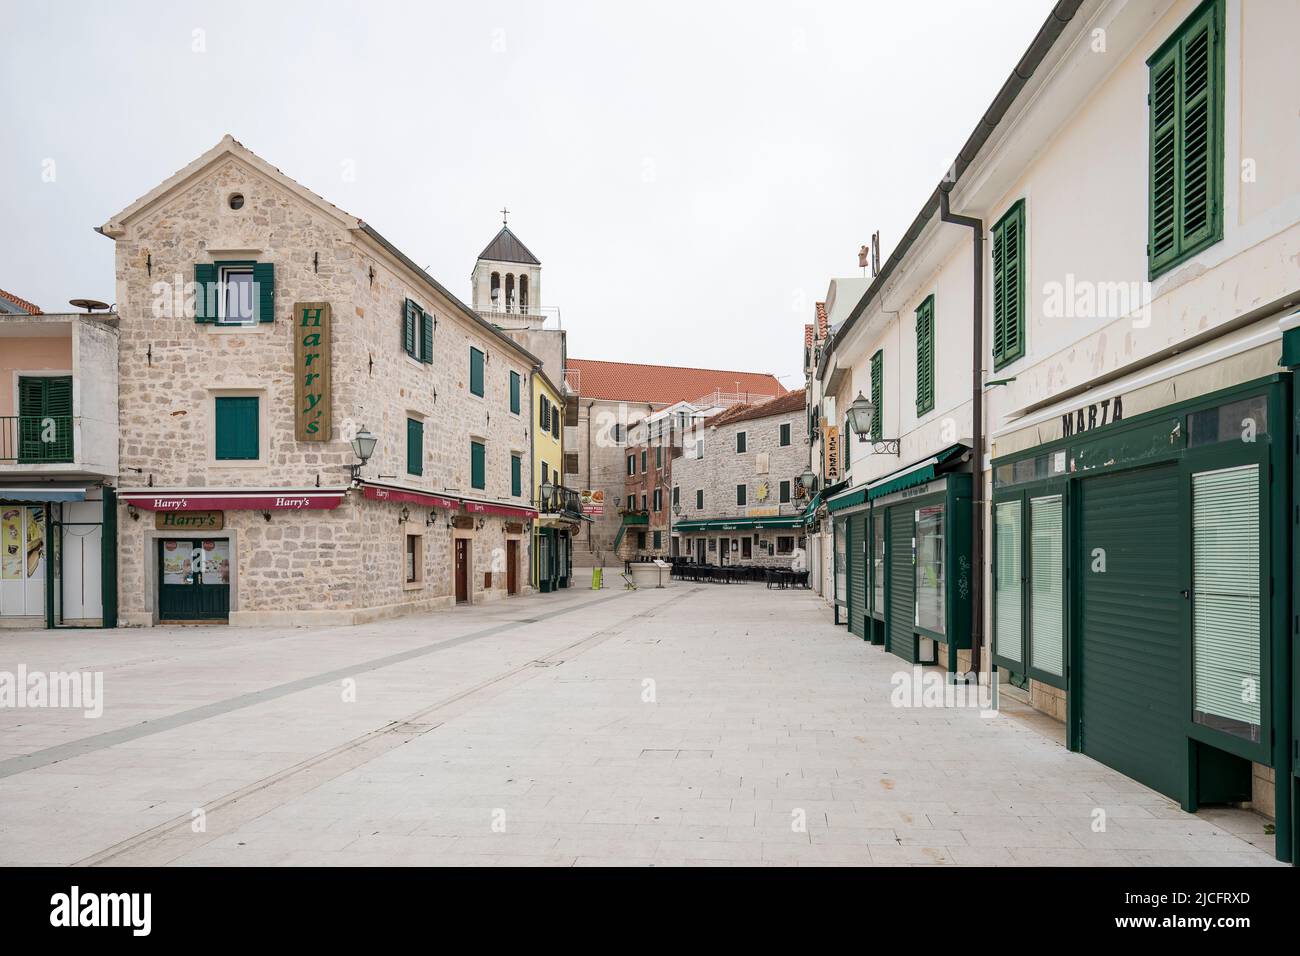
column 482, row 522
column 861, row 413
column 807, row 479
column 430, row 519
column 131, row 510
column 266, row 516
column 405, row 516
column 363, row 446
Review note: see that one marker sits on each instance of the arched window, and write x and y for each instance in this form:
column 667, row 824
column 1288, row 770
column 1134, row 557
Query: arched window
column 510, row 292
column 495, row 291
column 523, row 294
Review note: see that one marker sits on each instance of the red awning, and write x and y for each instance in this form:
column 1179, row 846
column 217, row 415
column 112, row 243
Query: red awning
column 285, row 499
column 490, row 508
column 422, row 498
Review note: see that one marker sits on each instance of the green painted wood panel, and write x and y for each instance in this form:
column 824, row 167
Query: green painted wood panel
column 237, row 423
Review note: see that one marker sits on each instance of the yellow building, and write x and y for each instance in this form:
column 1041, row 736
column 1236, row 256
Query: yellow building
column 559, row 508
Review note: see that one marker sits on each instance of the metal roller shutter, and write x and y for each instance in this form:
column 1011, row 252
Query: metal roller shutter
column 901, row 576
column 857, row 573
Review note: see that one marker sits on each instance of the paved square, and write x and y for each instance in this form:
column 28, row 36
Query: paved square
column 697, row 724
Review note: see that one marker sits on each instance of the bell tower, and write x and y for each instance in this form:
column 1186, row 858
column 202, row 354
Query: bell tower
column 507, row 279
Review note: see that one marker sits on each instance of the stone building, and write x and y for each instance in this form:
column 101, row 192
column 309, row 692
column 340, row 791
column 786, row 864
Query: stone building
column 264, row 330
column 738, row 485
column 654, row 443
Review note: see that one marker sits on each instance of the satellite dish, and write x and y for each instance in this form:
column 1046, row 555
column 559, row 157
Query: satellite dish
column 90, row 305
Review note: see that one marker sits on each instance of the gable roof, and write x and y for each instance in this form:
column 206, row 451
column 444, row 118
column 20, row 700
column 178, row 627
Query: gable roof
column 506, row 247
column 665, row 384
column 795, row 401
column 12, row 302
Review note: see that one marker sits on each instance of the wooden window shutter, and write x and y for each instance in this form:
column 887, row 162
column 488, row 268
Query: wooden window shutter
column 1009, row 286
column 264, row 280
column 414, row 447
column 925, row 356
column 477, row 465
column 205, row 299
column 476, row 371
column 877, row 395
column 516, row 476
column 408, row 327
column 426, row 338
column 1162, row 248
column 514, row 392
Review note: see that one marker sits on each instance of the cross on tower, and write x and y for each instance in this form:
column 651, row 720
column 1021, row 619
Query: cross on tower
column 504, row 213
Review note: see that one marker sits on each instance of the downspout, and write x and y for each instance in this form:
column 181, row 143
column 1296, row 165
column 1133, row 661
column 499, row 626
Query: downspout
column 977, row 423
column 591, row 528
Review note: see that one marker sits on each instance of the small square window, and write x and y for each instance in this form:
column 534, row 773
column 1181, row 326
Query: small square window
column 414, row 568
column 238, row 293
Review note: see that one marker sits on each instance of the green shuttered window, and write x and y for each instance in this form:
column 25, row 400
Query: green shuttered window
column 45, row 419
column 877, row 396
column 477, row 465
column 1046, row 585
column 516, row 475
column 476, row 371
column 925, row 356
column 1185, row 103
column 1009, row 286
column 1008, row 633
column 414, row 447
column 514, row 392
column 223, row 292
column 1226, row 599
column 237, row 426
column 417, row 332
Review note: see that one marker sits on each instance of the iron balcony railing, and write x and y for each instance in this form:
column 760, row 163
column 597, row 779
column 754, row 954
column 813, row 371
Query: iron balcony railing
column 563, row 501
column 36, row 439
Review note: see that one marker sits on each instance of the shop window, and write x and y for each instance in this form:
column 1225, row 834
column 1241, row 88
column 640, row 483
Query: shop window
column 785, row 435
column 740, row 442
column 414, row 570
column 1226, row 685
column 1046, row 585
column 1185, row 106
column 1009, row 286
column 417, row 332
column 878, row 562
column 929, row 568
column 841, row 562
column 476, row 372
column 237, row 428
column 514, row 393
column 785, row 544
column 414, row 447
column 785, row 491
column 477, row 465
column 925, row 357
column 1008, row 632
column 516, row 475
column 1242, row 421
column 747, row 547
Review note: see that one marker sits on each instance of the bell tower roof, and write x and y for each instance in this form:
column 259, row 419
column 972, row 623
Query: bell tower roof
column 506, row 247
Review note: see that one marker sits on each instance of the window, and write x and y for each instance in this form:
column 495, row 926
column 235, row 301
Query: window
column 785, row 544
column 644, row 469
column 1185, row 103
column 643, row 501
column 414, row 571
column 618, row 434
column 658, row 540
column 785, row 492
column 237, row 427
column 929, row 568
column 477, row 465
column 516, row 475
column 699, row 499
column 740, row 442
column 414, row 446
column 570, row 462
column 658, row 499
column 925, row 356
column 741, row 491
column 544, row 414
column 235, row 304
column 234, row 293
column 631, row 464
column 1046, row 585
column 677, row 498
column 546, row 472
column 475, row 372
column 555, row 421
column 878, row 563
column 1009, row 286
column 45, row 419
column 877, row 397
column 1226, row 612
column 640, row 540
column 1008, row 632
column 785, row 434
column 417, row 332
column 659, row 456
column 514, row 392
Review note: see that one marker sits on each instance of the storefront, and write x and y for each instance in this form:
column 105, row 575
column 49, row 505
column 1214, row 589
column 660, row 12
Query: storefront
column 1137, row 574
column 775, row 541
column 58, row 555
column 552, row 552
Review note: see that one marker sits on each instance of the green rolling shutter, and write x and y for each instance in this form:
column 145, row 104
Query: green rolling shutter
column 516, row 476
column 925, row 356
column 1008, row 611
column 264, row 279
column 1009, row 286
column 414, row 447
column 476, row 372
column 856, row 573
column 902, row 584
column 205, row 298
column 426, row 337
column 1046, row 585
column 477, row 465
column 514, row 392
column 1226, row 594
column 877, row 397
column 238, row 437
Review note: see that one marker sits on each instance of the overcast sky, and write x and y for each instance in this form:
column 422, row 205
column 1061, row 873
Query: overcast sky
column 691, row 175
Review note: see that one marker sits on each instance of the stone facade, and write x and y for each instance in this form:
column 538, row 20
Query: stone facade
column 172, row 368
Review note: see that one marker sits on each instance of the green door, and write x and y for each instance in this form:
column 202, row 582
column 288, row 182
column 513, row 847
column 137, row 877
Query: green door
column 1132, row 627
column 856, row 576
column 900, row 577
column 194, row 580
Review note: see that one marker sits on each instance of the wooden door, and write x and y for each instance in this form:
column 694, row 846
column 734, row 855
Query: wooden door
column 512, row 567
column 462, row 570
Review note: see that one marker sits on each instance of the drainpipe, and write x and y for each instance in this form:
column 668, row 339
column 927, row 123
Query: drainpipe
column 977, row 424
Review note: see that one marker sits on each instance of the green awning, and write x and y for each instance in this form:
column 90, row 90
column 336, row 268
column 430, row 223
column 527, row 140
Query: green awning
column 914, row 475
column 818, row 498
column 739, row 524
column 848, row 499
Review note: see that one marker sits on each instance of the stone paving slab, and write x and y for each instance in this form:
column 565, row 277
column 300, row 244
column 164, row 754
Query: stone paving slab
column 691, row 725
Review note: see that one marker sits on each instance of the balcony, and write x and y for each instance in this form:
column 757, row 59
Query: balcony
column 564, row 501
column 33, row 440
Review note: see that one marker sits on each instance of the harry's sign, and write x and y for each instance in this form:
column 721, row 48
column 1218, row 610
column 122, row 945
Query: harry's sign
column 189, row 520
column 311, row 384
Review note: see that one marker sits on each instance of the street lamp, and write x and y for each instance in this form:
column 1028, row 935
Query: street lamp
column 807, row 479
column 547, row 489
column 363, row 446
column 861, row 414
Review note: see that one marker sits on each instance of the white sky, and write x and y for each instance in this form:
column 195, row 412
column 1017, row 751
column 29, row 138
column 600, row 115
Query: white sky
column 690, row 174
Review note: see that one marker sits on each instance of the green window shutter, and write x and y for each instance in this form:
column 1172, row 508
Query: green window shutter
column 785, row 434
column 740, row 442
column 414, row 447
column 1226, row 595
column 516, row 476
column 477, row 465
column 925, row 356
column 1047, row 585
column 264, row 280
column 699, row 499
column 741, row 491
column 205, row 298
column 1008, row 611
column 1185, row 103
column 408, row 327
column 555, row 421
column 514, row 392
column 544, row 414
column 1009, row 286
column 785, row 492
column 877, row 396
column 238, row 437
column 476, row 372
column 426, row 337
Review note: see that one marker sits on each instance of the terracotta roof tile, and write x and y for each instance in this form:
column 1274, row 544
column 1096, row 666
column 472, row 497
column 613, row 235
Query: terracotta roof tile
column 807, row 336
column 29, row 307
column 664, row 384
column 823, row 324
column 790, row 402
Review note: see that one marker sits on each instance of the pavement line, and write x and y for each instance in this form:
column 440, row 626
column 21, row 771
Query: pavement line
column 112, row 738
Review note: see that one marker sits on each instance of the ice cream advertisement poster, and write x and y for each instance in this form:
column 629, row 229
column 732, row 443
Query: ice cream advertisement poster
column 11, row 540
